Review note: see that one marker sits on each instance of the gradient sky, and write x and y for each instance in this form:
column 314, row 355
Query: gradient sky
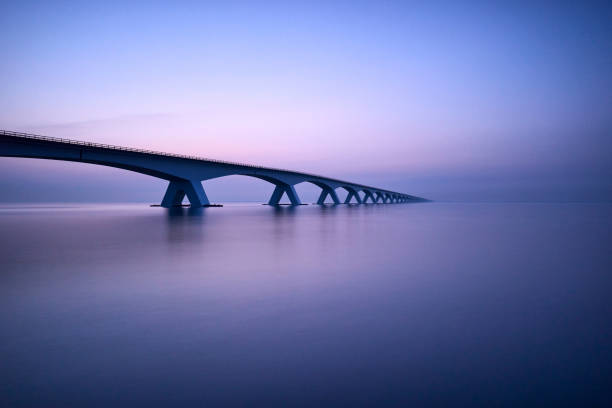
column 446, row 100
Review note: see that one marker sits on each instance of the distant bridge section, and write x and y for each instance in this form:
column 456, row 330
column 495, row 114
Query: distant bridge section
column 185, row 173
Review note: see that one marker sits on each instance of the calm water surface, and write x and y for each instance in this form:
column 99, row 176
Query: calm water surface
column 425, row 304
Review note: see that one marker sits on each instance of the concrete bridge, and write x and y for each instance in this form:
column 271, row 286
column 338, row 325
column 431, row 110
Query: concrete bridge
column 185, row 173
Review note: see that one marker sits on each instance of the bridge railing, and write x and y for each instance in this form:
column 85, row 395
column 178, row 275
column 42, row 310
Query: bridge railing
column 131, row 149
column 180, row 156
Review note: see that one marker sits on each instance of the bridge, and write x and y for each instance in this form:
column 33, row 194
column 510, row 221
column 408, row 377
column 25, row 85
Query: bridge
column 185, row 173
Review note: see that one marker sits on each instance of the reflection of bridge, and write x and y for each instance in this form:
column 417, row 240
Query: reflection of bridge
column 185, row 173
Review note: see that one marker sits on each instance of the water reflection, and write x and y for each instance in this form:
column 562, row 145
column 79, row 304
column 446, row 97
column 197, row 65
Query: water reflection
column 185, row 224
column 429, row 304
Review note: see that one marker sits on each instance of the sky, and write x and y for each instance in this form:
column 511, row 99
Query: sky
column 452, row 101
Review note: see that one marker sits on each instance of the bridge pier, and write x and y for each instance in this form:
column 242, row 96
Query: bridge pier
column 325, row 192
column 178, row 189
column 368, row 194
column 352, row 193
column 281, row 189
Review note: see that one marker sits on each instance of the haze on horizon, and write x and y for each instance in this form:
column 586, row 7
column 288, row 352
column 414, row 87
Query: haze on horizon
column 448, row 101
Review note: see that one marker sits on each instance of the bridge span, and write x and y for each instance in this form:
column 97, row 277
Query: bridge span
column 185, row 173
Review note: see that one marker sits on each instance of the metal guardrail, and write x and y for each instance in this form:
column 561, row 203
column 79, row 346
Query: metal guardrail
column 180, row 156
column 127, row 149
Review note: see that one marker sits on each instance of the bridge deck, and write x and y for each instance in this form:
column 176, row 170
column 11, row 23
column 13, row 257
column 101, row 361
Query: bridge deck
column 274, row 175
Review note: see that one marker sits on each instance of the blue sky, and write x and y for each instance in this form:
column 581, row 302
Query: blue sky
column 448, row 100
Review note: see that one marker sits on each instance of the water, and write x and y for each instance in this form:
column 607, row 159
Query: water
column 425, row 304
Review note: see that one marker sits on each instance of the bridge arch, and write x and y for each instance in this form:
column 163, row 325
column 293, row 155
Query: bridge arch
column 353, row 192
column 327, row 190
column 367, row 194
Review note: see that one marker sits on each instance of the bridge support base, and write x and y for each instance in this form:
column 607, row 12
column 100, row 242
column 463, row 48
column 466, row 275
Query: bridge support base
column 324, row 193
column 281, row 189
column 178, row 189
column 368, row 194
column 352, row 193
